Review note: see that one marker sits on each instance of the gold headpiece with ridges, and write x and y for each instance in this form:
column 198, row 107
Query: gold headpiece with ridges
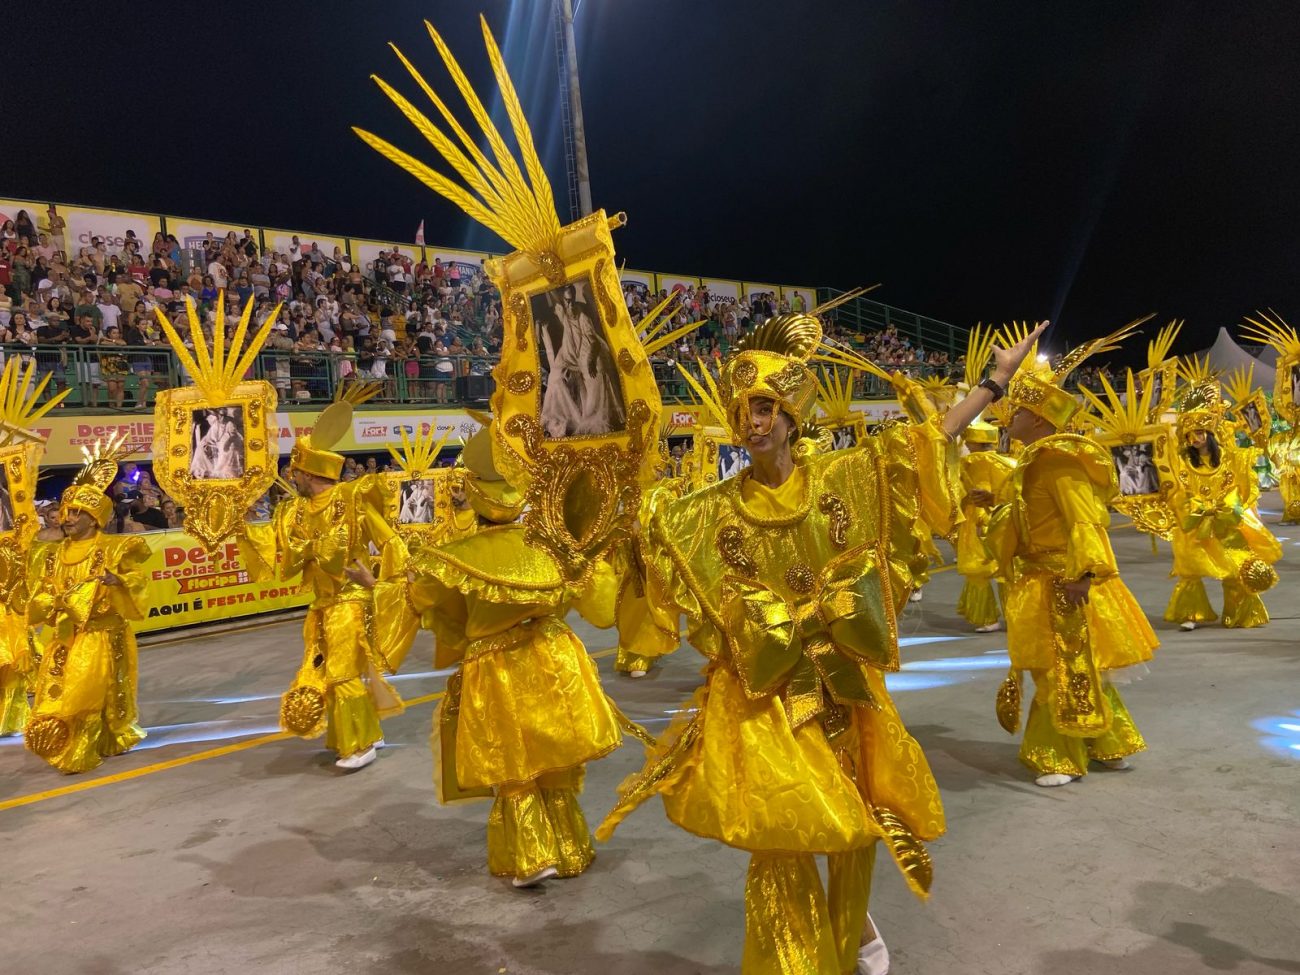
column 489, row 493
column 1036, row 384
column 98, row 471
column 1200, row 404
column 312, row 453
column 979, row 350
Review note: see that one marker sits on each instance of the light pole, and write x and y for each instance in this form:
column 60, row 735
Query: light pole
column 564, row 10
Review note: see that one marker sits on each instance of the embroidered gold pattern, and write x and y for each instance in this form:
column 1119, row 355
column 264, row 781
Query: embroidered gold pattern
column 731, row 545
column 519, row 310
column 799, row 578
column 520, row 382
column 789, row 379
column 837, row 511
column 302, row 710
column 47, row 736
column 625, row 360
column 744, row 374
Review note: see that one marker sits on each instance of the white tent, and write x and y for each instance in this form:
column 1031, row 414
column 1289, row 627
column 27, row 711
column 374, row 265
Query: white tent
column 1226, row 355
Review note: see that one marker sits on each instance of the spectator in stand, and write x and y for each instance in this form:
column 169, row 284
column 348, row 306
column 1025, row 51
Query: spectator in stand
column 113, row 365
column 84, row 336
column 174, row 516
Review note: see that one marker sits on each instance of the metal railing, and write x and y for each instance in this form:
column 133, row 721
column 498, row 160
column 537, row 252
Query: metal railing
column 865, row 315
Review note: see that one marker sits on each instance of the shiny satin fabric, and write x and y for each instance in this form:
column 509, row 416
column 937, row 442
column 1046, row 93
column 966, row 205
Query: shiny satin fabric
column 539, row 824
column 790, row 591
column 978, row 602
column 981, row 471
column 86, row 683
column 1045, row 750
column 17, row 670
column 346, row 650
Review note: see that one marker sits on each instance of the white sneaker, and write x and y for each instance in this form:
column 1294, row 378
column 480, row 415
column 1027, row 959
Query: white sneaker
column 1054, row 779
column 991, row 627
column 359, row 760
column 546, row 873
column 1118, row 764
column 873, row 956
column 1187, row 625
column 915, row 597
column 636, row 674
column 380, row 744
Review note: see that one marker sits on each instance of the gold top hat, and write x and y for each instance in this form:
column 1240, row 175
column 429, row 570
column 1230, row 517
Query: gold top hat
column 980, row 432
column 312, row 453
column 1036, row 384
column 489, row 494
column 86, row 493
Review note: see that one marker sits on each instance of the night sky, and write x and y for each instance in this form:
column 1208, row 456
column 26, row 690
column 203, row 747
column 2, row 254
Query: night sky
column 1083, row 161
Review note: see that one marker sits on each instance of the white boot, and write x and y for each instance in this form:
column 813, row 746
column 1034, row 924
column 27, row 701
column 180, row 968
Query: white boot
column 636, row 673
column 1187, row 625
column 1118, row 764
column 994, row 627
column 532, row 880
column 1053, row 779
column 873, row 956
column 359, row 760
column 915, row 597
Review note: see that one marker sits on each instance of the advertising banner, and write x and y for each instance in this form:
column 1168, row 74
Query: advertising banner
column 469, row 262
column 9, row 210
column 752, row 290
column 187, row 586
column 676, row 282
column 193, row 233
column 364, row 252
column 801, row 299
column 722, row 288
column 281, row 240
column 84, row 224
column 643, row 282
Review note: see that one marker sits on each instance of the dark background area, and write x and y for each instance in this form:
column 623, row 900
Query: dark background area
column 1083, row 161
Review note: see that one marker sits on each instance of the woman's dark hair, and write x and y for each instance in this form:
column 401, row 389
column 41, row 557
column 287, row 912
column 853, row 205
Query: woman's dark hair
column 1211, row 446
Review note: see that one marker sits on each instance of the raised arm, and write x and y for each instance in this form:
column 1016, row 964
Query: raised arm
column 1005, row 364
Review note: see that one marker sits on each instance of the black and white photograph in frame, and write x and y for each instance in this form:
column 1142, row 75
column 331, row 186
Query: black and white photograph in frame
column 416, row 506
column 582, row 395
column 1295, row 384
column 6, row 503
column 1157, row 386
column 1004, row 440
column 1250, row 416
column 731, row 460
column 217, row 444
column 844, row 437
column 1135, row 464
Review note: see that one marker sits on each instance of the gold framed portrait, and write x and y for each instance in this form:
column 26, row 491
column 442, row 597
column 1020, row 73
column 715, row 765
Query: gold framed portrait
column 18, row 471
column 216, row 455
column 845, row 432
column 1252, row 417
column 1163, row 380
column 1286, row 388
column 418, row 506
column 1144, row 470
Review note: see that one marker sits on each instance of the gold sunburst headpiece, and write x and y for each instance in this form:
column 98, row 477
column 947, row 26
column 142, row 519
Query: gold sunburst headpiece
column 20, row 405
column 654, row 329
column 1240, row 384
column 98, row 471
column 1200, row 404
column 979, row 350
column 1120, row 413
column 1269, row 328
column 1036, row 384
column 1158, row 348
column 312, row 452
column 418, row 456
column 215, row 369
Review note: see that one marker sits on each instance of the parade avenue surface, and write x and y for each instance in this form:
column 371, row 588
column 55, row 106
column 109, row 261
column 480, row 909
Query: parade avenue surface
column 221, row 846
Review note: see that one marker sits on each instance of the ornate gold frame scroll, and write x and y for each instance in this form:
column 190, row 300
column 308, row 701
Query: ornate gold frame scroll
column 216, row 446
column 416, row 460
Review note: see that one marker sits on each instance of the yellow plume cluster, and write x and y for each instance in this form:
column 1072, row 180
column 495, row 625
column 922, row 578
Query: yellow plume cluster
column 419, row 455
column 216, row 373
column 19, row 399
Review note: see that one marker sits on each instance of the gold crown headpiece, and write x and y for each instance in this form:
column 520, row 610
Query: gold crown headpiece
column 488, row 492
column 1036, row 384
column 98, row 471
column 1200, row 404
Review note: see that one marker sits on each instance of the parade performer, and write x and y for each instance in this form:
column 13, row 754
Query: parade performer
column 790, row 577
column 985, row 479
column 20, row 453
column 1071, row 622
column 87, row 589
column 1283, row 445
column 1217, row 533
column 322, row 536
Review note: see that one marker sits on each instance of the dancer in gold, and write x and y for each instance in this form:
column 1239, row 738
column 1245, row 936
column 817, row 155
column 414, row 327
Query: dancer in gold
column 790, row 576
column 87, row 589
column 1071, row 622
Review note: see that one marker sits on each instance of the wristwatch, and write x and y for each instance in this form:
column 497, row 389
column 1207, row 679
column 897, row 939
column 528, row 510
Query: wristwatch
column 992, row 386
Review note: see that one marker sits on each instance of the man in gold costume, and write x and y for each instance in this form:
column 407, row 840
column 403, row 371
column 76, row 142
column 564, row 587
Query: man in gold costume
column 791, row 576
column 86, row 589
column 985, row 479
column 322, row 536
column 1071, row 621
column 525, row 711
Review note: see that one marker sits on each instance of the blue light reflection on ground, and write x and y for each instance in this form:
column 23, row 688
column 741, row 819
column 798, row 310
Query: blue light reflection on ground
column 1280, row 735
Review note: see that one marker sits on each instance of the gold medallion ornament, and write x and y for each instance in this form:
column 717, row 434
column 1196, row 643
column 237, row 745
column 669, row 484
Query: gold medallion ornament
column 579, row 438
column 1007, row 705
column 47, row 736
column 302, row 711
column 215, row 447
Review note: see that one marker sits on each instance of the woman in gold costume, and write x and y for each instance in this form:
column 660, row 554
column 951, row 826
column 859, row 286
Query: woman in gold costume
column 1218, row 533
column 790, row 576
column 1071, row 621
column 322, row 536
column 985, row 479
column 86, row 589
column 525, row 711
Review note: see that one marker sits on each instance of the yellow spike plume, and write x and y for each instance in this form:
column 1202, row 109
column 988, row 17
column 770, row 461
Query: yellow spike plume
column 1271, row 329
column 100, row 461
column 1107, row 343
column 1120, row 414
column 519, row 208
column 706, row 394
column 1240, row 384
column 979, row 349
column 843, row 299
column 652, row 332
column 835, row 393
column 216, row 372
column 418, row 456
column 1158, row 348
column 1193, row 369
column 19, row 399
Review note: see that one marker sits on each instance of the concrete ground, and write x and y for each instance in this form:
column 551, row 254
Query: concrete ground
column 222, row 848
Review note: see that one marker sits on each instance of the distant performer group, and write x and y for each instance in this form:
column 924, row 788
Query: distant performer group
column 786, row 539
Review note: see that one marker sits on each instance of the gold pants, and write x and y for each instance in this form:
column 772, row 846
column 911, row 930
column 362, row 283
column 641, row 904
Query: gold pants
column 539, row 824
column 1242, row 608
column 626, row 661
column 1046, row 750
column 13, row 701
column 792, row 926
column 978, row 603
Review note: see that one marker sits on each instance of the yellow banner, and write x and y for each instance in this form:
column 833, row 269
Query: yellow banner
column 186, row 586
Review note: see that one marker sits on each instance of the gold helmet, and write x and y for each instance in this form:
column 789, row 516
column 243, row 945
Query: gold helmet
column 86, row 492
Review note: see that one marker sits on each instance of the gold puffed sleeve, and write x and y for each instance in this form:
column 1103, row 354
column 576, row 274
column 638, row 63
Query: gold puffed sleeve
column 597, row 602
column 1082, row 509
column 667, row 593
column 900, row 487
column 257, row 547
column 40, row 598
column 936, row 460
column 127, row 556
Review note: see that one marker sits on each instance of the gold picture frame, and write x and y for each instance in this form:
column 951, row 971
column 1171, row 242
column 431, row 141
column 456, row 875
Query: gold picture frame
column 419, row 506
column 846, row 432
column 1253, row 418
column 1144, row 471
column 1286, row 388
column 216, row 455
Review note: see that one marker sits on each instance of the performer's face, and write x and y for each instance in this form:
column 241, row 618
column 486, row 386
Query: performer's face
column 768, row 430
column 1026, row 426
column 1197, row 439
column 458, row 498
column 77, row 524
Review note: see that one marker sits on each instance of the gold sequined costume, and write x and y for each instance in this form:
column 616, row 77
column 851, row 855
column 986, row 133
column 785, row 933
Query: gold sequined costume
column 340, row 688
column 991, row 472
column 792, row 747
